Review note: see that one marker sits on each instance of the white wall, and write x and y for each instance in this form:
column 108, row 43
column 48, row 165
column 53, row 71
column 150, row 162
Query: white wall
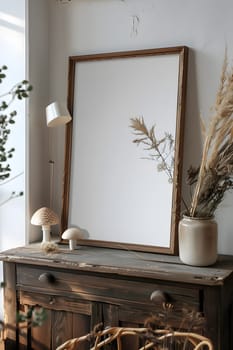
column 92, row 26
column 37, row 149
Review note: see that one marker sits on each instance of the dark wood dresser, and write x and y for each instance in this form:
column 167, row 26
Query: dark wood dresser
column 82, row 288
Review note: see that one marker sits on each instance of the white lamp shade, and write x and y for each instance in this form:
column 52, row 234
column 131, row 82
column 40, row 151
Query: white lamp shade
column 57, row 114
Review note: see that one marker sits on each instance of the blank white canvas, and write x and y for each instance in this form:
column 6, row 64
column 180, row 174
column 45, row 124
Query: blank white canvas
column 116, row 194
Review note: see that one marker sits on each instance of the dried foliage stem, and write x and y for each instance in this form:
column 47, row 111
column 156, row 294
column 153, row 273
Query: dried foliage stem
column 147, row 137
column 161, row 150
column 202, row 172
column 216, row 168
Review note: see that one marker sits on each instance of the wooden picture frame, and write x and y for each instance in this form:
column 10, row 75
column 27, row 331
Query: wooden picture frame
column 104, row 92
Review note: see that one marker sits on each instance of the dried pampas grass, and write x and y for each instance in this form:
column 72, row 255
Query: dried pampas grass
column 215, row 175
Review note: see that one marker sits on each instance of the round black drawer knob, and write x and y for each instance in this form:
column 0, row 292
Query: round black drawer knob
column 47, row 277
column 158, row 296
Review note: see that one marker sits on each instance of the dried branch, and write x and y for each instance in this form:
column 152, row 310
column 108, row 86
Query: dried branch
column 161, row 150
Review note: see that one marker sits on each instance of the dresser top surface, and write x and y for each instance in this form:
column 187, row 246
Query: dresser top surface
column 122, row 263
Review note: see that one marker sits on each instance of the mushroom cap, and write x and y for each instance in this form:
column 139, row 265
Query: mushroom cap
column 44, row 216
column 72, row 233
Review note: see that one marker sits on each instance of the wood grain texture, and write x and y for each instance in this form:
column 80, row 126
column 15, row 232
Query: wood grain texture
column 40, row 337
column 88, row 286
column 10, row 306
column 61, row 327
column 124, row 263
column 81, row 326
column 94, row 285
column 55, row 302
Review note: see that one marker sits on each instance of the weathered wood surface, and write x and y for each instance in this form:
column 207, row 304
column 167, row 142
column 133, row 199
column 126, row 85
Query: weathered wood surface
column 82, row 288
column 123, row 262
column 127, row 295
column 10, row 306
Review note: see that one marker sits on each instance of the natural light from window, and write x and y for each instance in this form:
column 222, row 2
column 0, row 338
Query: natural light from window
column 11, row 19
column 12, row 30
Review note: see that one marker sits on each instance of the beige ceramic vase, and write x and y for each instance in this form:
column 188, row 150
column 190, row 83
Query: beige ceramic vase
column 198, row 241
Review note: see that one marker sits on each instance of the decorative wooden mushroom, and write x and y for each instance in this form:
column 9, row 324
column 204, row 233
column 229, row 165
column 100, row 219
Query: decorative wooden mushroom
column 72, row 234
column 45, row 217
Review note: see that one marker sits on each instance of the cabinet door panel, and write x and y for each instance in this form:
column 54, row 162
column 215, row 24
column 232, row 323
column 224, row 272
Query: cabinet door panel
column 110, row 315
column 61, row 328
column 40, row 336
column 111, row 318
column 61, row 323
column 96, row 314
column 81, row 326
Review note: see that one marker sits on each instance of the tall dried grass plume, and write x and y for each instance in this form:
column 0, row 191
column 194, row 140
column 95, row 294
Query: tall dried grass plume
column 214, row 177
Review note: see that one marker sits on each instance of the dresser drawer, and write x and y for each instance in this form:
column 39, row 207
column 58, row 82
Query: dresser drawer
column 100, row 288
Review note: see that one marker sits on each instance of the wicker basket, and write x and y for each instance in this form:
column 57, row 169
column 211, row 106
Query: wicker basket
column 157, row 340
